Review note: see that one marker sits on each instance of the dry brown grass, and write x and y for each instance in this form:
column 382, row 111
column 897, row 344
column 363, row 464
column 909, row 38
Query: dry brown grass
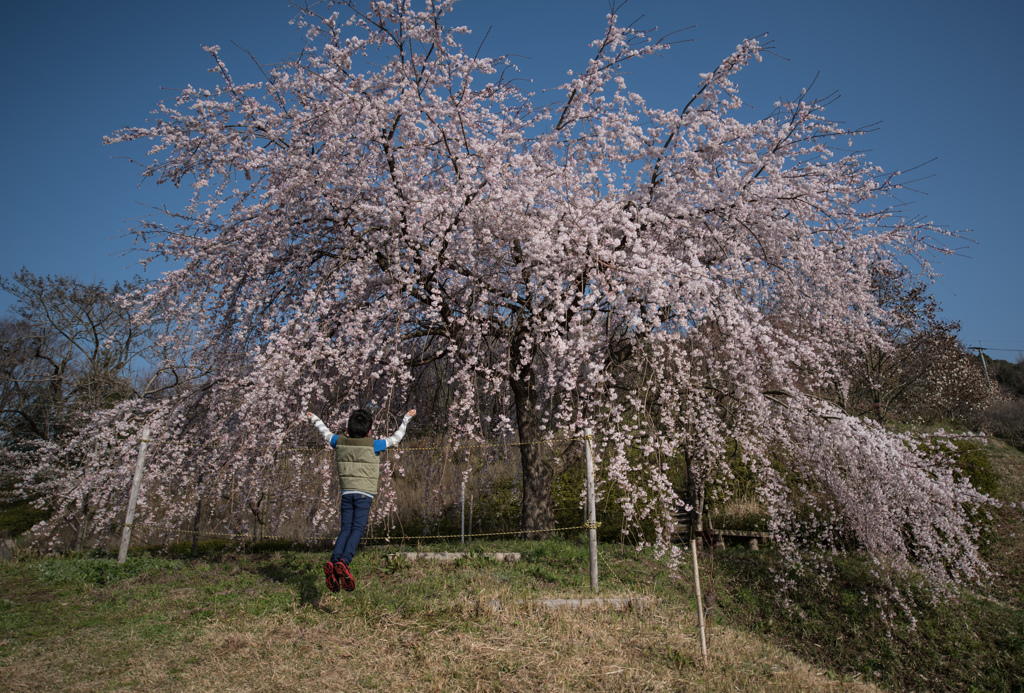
column 744, row 512
column 741, row 507
column 508, row 652
column 326, row 647
column 265, row 623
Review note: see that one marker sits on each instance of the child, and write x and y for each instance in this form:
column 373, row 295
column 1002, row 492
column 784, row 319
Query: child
column 359, row 474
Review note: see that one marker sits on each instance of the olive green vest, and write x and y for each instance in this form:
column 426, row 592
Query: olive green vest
column 358, row 466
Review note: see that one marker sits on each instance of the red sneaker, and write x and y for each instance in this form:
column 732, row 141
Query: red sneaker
column 344, row 576
column 332, row 577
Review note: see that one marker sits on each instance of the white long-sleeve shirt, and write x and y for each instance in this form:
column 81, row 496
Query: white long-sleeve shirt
column 379, row 445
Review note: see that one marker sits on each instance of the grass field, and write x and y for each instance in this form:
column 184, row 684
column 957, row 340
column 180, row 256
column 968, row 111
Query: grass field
column 261, row 620
column 264, row 622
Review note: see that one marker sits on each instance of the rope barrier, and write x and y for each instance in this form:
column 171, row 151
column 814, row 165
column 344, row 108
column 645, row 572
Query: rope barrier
column 493, row 445
column 481, row 446
column 235, row 535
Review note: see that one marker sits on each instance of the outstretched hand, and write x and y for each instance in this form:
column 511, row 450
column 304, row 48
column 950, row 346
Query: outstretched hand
column 411, row 413
column 309, row 415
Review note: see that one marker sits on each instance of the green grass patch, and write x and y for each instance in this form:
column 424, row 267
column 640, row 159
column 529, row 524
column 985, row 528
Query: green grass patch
column 20, row 516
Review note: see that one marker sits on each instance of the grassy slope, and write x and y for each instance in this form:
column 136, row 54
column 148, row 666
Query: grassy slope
column 264, row 622
column 254, row 622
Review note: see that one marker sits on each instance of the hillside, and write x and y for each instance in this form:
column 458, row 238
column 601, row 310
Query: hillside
column 975, row 642
column 261, row 620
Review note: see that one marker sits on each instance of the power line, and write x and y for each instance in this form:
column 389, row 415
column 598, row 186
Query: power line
column 985, row 348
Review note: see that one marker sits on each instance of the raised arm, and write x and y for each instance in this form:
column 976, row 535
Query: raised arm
column 331, row 438
column 397, row 436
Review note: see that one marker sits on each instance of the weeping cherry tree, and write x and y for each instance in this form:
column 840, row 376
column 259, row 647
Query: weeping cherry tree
column 685, row 283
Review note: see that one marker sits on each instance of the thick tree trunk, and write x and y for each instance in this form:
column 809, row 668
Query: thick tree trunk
column 195, row 527
column 259, row 511
column 538, row 475
column 198, row 516
column 83, row 526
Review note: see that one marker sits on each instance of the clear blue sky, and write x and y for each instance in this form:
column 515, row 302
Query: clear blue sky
column 944, row 77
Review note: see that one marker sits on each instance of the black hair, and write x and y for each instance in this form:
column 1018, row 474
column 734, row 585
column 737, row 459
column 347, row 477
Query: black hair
column 359, row 423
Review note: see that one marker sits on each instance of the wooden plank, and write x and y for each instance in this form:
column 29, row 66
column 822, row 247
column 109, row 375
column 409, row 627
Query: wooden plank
column 451, row 556
column 637, row 604
column 741, row 533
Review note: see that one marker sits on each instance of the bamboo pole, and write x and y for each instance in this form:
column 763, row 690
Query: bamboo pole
column 591, row 513
column 126, row 533
column 700, row 598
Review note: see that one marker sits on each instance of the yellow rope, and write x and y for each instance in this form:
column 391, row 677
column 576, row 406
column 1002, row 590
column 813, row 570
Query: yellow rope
column 231, row 535
column 234, row 535
column 491, row 445
column 171, row 443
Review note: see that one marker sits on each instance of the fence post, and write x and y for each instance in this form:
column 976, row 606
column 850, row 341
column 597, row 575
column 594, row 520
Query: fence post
column 700, row 598
column 129, row 518
column 463, row 496
column 591, row 513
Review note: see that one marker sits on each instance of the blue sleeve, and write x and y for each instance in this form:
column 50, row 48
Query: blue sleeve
column 379, row 446
column 334, row 441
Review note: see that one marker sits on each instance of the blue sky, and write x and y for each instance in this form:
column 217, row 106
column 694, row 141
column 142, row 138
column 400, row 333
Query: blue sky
column 944, row 78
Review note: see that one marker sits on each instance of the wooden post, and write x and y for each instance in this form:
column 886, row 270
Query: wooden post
column 198, row 516
column 129, row 518
column 463, row 497
column 591, row 513
column 700, row 598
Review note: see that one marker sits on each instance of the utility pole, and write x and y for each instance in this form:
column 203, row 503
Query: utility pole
column 981, row 352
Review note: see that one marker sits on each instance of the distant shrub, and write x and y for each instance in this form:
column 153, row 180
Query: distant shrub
column 20, row 516
column 1005, row 418
column 500, row 509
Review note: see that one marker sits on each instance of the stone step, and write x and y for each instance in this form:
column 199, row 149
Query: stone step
column 451, row 556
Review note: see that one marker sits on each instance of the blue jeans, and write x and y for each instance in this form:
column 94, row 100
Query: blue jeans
column 355, row 511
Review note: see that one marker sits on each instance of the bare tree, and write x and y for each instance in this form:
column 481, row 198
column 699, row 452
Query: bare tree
column 72, row 349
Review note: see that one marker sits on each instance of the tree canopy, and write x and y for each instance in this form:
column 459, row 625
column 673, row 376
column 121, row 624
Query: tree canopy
column 390, row 209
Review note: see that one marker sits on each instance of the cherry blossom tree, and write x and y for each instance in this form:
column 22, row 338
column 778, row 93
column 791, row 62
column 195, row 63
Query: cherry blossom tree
column 681, row 282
